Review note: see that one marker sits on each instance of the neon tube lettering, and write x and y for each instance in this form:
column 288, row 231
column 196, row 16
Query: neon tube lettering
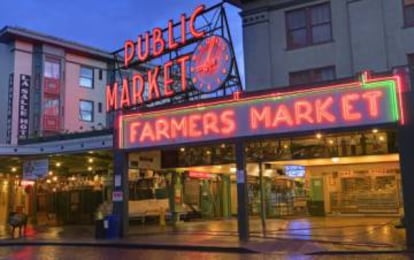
column 282, row 116
column 153, row 87
column 321, row 110
column 125, row 98
column 348, row 107
column 210, row 122
column 112, row 97
column 228, row 122
column 373, row 102
column 303, row 111
column 158, row 43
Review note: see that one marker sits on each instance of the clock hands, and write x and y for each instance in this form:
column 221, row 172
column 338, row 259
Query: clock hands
column 208, row 63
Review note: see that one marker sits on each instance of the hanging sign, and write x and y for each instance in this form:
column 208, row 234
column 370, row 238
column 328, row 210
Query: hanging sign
column 366, row 102
column 117, row 196
column 10, row 108
column 24, row 106
column 240, row 176
column 206, row 67
column 35, row 169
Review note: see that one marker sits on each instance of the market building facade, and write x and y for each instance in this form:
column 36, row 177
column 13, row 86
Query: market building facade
column 292, row 43
column 189, row 141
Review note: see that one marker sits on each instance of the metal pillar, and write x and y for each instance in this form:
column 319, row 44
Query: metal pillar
column 242, row 200
column 406, row 149
column 120, row 209
column 120, row 181
column 262, row 200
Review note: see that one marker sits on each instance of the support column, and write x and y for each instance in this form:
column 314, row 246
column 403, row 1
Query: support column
column 242, row 200
column 120, row 209
column 120, row 181
column 406, row 149
column 262, row 200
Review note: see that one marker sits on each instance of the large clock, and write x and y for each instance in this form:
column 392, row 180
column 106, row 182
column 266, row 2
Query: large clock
column 211, row 63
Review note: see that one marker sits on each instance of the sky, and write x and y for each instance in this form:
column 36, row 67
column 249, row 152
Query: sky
column 106, row 24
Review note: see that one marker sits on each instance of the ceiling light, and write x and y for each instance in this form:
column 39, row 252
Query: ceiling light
column 233, row 169
column 375, row 130
column 89, row 168
column 381, row 138
column 58, row 164
column 50, row 173
column 90, row 160
column 14, row 169
column 182, row 149
column 319, row 135
column 331, row 141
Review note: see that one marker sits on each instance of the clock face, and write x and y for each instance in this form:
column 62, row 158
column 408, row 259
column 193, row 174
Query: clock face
column 210, row 63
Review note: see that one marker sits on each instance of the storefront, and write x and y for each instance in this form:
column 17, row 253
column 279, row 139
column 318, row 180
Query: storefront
column 323, row 151
column 221, row 152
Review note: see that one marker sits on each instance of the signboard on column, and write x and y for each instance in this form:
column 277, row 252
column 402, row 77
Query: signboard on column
column 9, row 108
column 35, row 169
column 24, row 106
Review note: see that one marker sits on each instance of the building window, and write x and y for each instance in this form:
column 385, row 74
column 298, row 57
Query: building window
column 52, row 69
column 100, row 74
column 408, row 12
column 312, row 76
column 86, row 77
column 99, row 107
column 308, row 26
column 410, row 58
column 86, row 110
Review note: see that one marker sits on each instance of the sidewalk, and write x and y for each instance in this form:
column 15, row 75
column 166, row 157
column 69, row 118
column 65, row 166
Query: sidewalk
column 298, row 236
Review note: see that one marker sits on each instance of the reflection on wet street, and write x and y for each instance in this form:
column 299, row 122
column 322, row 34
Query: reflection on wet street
column 300, row 236
column 102, row 253
column 50, row 252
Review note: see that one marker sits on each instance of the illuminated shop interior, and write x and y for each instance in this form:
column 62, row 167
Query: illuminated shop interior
column 76, row 184
column 340, row 173
column 313, row 175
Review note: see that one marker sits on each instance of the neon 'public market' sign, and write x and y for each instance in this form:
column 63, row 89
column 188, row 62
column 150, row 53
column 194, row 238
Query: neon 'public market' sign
column 365, row 102
column 149, row 46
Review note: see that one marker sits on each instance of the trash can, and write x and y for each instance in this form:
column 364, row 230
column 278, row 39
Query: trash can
column 99, row 229
column 111, row 225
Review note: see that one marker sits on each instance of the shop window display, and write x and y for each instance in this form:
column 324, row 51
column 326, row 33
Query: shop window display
column 70, row 199
column 367, row 191
column 207, row 155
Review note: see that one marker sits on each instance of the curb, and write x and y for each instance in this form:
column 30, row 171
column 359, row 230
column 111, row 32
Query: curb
column 361, row 252
column 115, row 244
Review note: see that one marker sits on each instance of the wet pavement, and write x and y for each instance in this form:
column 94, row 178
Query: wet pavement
column 284, row 238
column 70, row 253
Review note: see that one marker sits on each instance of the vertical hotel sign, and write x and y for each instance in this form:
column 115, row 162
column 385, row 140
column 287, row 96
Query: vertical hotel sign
column 24, row 106
column 10, row 108
column 369, row 101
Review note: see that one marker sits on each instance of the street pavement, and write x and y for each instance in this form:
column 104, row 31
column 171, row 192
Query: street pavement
column 288, row 238
column 91, row 253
